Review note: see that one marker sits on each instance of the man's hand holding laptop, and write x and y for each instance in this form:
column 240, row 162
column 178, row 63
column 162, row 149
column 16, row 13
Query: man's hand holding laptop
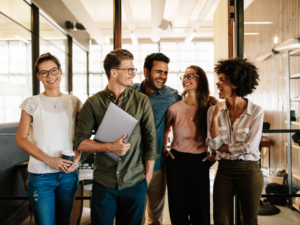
column 118, row 147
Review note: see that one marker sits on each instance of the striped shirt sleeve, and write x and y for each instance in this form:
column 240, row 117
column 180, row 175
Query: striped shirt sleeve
column 213, row 143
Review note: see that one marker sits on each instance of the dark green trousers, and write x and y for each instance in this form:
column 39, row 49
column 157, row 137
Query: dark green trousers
column 246, row 178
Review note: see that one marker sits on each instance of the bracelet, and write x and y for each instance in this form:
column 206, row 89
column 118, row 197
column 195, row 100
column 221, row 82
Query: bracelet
column 214, row 129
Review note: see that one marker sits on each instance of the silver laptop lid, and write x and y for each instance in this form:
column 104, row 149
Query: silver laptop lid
column 116, row 122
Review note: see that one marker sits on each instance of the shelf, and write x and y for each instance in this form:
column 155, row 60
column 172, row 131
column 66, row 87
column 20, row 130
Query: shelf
column 295, row 52
column 295, row 76
column 294, row 146
column 295, row 100
column 297, row 176
column 294, row 123
column 296, row 206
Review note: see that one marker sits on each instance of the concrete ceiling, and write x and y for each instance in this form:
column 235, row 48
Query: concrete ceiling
column 101, row 12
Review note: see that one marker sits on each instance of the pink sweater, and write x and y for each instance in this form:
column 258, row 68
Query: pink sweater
column 178, row 116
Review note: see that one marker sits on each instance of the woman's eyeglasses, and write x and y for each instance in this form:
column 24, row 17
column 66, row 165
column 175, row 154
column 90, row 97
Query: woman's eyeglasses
column 45, row 73
column 189, row 76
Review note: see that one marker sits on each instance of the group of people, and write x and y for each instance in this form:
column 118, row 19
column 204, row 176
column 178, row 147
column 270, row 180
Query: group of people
column 124, row 190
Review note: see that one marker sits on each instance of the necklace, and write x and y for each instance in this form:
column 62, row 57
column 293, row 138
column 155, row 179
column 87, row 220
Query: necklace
column 54, row 104
column 190, row 105
column 236, row 110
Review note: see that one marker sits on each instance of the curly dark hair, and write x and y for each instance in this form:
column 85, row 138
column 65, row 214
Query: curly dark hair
column 114, row 59
column 46, row 57
column 155, row 57
column 241, row 73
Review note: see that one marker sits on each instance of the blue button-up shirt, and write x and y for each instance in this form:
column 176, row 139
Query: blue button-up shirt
column 160, row 102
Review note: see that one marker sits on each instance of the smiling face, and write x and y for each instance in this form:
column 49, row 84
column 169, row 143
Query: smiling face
column 191, row 84
column 122, row 76
column 52, row 81
column 158, row 75
column 225, row 86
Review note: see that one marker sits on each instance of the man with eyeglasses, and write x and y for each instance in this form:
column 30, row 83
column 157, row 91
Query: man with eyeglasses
column 119, row 188
column 161, row 97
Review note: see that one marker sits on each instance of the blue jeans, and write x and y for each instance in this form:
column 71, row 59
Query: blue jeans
column 127, row 204
column 51, row 197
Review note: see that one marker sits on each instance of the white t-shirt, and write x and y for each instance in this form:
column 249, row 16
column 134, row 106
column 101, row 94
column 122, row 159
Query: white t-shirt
column 52, row 128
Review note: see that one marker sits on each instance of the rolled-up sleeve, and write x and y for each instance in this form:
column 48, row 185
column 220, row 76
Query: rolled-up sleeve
column 253, row 138
column 213, row 143
column 149, row 134
column 85, row 124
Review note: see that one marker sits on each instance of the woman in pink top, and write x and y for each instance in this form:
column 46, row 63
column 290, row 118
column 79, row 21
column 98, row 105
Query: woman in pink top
column 187, row 173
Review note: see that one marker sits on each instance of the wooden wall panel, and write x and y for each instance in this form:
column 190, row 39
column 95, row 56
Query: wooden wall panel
column 271, row 92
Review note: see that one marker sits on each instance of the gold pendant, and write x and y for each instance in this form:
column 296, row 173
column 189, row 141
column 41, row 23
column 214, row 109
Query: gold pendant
column 191, row 118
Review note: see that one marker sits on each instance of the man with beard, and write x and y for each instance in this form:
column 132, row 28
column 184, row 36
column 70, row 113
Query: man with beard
column 119, row 188
column 161, row 97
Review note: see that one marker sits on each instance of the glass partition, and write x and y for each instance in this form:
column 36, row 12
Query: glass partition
column 181, row 56
column 79, row 72
column 15, row 67
column 17, row 10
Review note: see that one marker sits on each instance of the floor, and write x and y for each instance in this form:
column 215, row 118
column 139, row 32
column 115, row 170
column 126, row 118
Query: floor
column 285, row 217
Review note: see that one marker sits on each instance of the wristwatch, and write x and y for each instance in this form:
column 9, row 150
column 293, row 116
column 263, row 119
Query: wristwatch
column 214, row 153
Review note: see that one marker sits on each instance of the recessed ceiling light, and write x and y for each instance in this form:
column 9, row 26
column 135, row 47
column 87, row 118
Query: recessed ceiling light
column 258, row 22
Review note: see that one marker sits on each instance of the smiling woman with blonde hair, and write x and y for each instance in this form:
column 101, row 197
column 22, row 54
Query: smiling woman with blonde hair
column 49, row 119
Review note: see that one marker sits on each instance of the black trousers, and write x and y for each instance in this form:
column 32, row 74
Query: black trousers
column 188, row 188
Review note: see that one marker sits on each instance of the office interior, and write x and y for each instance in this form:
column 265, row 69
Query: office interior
column 190, row 32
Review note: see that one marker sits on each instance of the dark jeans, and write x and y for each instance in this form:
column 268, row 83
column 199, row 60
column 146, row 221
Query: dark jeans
column 52, row 196
column 188, row 188
column 244, row 177
column 127, row 204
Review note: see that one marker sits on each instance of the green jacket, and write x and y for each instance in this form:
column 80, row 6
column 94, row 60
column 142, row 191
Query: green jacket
column 130, row 169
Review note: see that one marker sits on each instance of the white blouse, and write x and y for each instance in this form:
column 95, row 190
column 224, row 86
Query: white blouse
column 242, row 137
column 52, row 128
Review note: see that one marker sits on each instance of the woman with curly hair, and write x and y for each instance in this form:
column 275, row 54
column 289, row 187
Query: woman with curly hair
column 235, row 130
column 187, row 166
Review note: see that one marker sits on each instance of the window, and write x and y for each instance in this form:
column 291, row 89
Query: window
column 15, row 61
column 79, row 72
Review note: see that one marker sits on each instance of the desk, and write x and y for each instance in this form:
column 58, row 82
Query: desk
column 265, row 143
column 86, row 174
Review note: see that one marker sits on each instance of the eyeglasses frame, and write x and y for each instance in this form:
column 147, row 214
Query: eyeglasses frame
column 185, row 76
column 39, row 73
column 133, row 70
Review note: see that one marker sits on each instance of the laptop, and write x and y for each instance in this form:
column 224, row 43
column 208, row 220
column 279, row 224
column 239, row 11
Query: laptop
column 116, row 122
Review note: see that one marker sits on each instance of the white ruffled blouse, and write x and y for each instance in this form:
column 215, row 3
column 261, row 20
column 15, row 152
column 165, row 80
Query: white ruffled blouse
column 52, row 128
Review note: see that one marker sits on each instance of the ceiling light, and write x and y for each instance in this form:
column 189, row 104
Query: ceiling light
column 190, row 38
column 251, row 33
column 22, row 39
column 134, row 39
column 107, row 41
column 258, row 22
